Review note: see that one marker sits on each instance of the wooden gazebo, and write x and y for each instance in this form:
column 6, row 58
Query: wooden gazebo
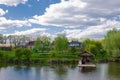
column 86, row 54
column 85, row 59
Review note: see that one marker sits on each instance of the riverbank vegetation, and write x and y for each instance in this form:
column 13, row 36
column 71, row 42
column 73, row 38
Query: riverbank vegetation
column 58, row 51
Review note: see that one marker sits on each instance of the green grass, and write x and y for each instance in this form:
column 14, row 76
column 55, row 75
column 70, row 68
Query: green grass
column 9, row 56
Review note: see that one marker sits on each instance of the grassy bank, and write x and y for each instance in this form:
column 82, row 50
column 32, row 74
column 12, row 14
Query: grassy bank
column 43, row 58
column 38, row 58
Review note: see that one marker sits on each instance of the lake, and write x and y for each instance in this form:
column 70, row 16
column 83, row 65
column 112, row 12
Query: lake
column 103, row 71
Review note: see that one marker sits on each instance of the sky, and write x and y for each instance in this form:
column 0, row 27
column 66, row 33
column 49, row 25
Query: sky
column 74, row 18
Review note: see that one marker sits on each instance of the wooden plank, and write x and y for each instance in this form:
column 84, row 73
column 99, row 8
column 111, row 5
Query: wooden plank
column 86, row 65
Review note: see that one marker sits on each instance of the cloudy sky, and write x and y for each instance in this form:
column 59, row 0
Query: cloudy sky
column 75, row 18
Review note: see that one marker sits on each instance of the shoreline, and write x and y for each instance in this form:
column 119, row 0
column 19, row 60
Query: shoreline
column 53, row 61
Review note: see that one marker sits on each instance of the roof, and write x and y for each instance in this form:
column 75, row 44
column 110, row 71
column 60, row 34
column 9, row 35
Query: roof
column 30, row 43
column 86, row 54
column 7, row 45
column 75, row 42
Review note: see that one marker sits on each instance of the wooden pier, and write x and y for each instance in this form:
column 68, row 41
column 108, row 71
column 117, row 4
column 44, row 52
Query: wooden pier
column 86, row 65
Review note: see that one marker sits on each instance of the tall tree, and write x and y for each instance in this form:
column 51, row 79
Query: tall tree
column 37, row 45
column 45, row 42
column 61, row 44
column 112, row 43
column 95, row 47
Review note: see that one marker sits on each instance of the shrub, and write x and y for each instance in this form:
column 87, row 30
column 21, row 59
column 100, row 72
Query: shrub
column 52, row 54
column 27, row 53
column 19, row 53
column 23, row 52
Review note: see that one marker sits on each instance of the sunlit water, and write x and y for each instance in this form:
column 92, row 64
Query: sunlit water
column 104, row 71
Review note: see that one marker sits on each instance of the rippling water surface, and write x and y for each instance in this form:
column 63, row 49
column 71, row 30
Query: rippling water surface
column 103, row 71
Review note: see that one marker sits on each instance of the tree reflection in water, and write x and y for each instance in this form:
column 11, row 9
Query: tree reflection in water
column 60, row 69
column 114, row 69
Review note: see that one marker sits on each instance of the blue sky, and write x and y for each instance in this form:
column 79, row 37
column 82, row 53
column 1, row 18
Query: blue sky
column 75, row 18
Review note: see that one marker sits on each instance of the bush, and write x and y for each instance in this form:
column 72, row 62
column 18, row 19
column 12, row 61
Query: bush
column 1, row 55
column 23, row 52
column 52, row 54
column 27, row 53
column 19, row 53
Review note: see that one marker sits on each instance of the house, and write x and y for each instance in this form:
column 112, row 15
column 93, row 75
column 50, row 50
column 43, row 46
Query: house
column 30, row 44
column 6, row 46
column 75, row 44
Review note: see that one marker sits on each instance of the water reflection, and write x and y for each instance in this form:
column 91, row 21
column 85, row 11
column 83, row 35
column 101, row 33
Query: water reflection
column 114, row 71
column 87, row 69
column 60, row 72
column 22, row 67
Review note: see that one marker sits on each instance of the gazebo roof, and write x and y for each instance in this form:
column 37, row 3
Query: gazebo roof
column 86, row 54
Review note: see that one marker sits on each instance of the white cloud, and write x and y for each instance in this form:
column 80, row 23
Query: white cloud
column 61, row 14
column 1, row 28
column 7, row 23
column 93, row 18
column 78, row 13
column 30, row 31
column 94, row 32
column 12, row 2
column 2, row 12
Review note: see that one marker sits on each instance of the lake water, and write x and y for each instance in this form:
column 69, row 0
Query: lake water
column 103, row 71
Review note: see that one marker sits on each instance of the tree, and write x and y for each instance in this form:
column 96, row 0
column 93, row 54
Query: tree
column 23, row 52
column 42, row 44
column 1, row 38
column 27, row 53
column 1, row 56
column 37, row 45
column 19, row 53
column 112, row 43
column 95, row 47
column 45, row 42
column 73, row 50
column 61, row 44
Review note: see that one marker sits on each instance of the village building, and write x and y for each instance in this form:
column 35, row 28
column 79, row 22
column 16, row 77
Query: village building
column 75, row 44
column 30, row 44
column 6, row 46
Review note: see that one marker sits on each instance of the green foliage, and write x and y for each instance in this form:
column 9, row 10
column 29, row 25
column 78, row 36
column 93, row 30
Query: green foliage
column 27, row 53
column 74, row 50
column 19, row 53
column 1, row 55
column 45, row 41
column 52, row 54
column 37, row 45
column 112, row 43
column 42, row 44
column 94, row 47
column 61, row 44
column 23, row 52
column 6, row 56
